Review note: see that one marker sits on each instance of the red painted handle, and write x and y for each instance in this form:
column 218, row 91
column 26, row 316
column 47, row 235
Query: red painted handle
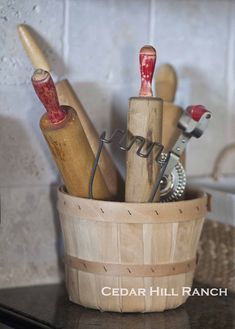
column 197, row 111
column 147, row 64
column 45, row 89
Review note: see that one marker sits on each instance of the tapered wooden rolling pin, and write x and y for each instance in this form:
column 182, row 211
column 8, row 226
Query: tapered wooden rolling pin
column 67, row 141
column 166, row 84
column 144, row 119
column 67, row 96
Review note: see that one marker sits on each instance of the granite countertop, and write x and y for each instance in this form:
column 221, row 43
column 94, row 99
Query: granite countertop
column 51, row 306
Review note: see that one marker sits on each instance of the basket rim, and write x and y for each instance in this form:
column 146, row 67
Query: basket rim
column 125, row 212
column 199, row 195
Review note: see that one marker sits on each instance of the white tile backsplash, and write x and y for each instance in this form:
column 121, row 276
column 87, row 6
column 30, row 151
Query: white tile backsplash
column 25, row 158
column 46, row 17
column 104, row 39
column 30, row 239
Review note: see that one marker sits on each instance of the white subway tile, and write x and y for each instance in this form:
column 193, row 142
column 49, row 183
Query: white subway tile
column 193, row 36
column 105, row 38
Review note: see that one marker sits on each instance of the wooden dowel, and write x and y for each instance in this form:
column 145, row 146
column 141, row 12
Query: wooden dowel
column 170, row 132
column 112, row 177
column 166, row 82
column 144, row 119
column 166, row 85
column 32, row 49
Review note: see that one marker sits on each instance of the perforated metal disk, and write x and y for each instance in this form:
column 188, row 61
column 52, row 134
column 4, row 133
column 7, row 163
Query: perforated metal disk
column 172, row 186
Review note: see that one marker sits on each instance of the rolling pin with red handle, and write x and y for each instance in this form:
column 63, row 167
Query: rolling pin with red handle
column 67, row 141
column 144, row 119
column 67, row 96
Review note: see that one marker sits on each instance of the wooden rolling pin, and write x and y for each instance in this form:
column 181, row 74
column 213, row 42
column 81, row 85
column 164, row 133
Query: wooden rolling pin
column 144, row 119
column 67, row 96
column 166, row 84
column 67, row 141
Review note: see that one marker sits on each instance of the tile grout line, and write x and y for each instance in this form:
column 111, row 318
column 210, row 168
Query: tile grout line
column 230, row 73
column 151, row 21
column 65, row 41
column 30, row 186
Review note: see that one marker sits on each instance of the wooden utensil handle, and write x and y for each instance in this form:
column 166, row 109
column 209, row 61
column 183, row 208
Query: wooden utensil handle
column 166, row 82
column 45, row 89
column 147, row 59
column 31, row 47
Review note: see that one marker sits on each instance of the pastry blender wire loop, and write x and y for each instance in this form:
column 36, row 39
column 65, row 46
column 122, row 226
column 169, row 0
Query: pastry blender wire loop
column 125, row 143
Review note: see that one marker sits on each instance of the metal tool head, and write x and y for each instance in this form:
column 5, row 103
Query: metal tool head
column 193, row 123
column 172, row 187
column 194, row 120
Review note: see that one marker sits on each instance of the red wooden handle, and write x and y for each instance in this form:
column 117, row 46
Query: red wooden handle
column 147, row 64
column 196, row 111
column 45, row 89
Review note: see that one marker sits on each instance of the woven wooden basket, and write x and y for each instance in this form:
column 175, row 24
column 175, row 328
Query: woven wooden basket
column 217, row 255
column 113, row 245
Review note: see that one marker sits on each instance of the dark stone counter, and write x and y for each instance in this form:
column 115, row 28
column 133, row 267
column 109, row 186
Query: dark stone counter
column 50, row 305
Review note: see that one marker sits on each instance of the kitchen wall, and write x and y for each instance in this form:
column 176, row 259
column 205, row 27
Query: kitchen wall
column 95, row 44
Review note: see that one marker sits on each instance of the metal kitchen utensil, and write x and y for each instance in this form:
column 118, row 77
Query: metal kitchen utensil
column 193, row 123
column 125, row 143
column 172, row 178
